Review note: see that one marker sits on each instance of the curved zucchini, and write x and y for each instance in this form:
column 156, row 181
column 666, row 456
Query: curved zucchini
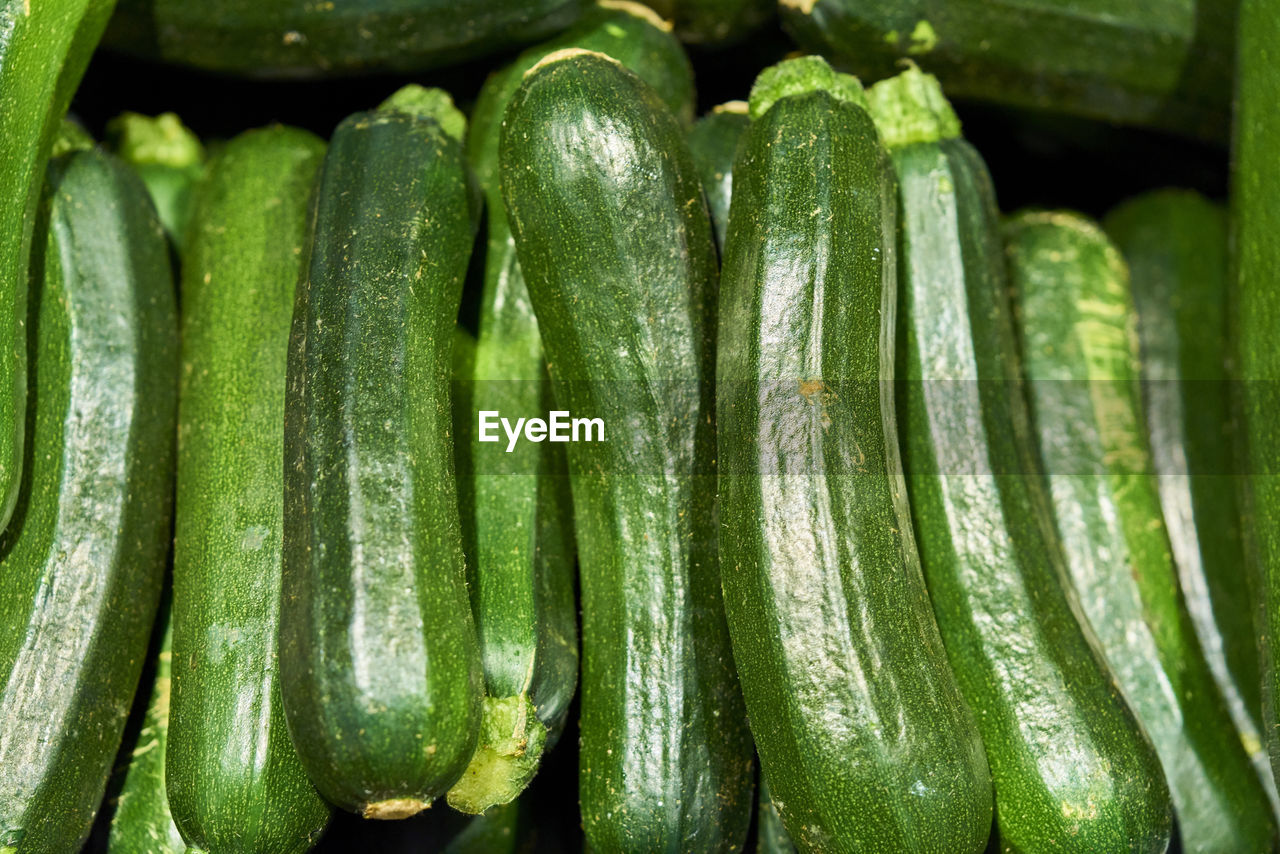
column 713, row 142
column 860, row 727
column 1071, row 768
column 168, row 157
column 142, row 823
column 306, row 38
column 1255, row 213
column 1175, row 244
column 44, row 48
column 82, row 560
column 621, row 268
column 714, row 23
column 516, row 521
column 235, row 783
column 1079, row 352
column 380, row 668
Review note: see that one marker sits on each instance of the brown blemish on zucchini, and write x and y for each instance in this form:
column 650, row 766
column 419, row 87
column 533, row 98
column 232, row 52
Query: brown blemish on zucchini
column 396, row 808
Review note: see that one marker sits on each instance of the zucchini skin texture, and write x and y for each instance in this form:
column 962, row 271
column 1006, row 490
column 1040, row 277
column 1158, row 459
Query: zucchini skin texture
column 831, row 624
column 713, row 142
column 627, row 319
column 714, row 23
column 380, row 668
column 1071, row 768
column 301, row 38
column 1255, row 316
column 1164, row 64
column 1175, row 245
column 235, row 783
column 1079, row 349
column 44, row 49
column 142, row 822
column 517, row 512
column 85, row 551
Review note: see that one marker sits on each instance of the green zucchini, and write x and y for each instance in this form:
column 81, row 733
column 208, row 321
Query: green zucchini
column 308, row 38
column 83, row 557
column 1254, row 319
column 621, row 269
column 861, row 729
column 1175, row 243
column 380, row 667
column 713, row 141
column 234, row 779
column 168, row 157
column 142, row 822
column 1079, row 349
column 516, row 521
column 771, row 836
column 714, row 23
column 1071, row 768
column 44, row 48
column 1159, row 63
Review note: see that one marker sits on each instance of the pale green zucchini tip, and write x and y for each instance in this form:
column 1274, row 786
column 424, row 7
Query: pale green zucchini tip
column 71, row 137
column 161, row 140
column 428, row 103
column 511, row 743
column 911, row 108
column 799, row 76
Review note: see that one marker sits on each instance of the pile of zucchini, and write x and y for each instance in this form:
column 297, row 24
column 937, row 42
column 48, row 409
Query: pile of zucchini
column 912, row 526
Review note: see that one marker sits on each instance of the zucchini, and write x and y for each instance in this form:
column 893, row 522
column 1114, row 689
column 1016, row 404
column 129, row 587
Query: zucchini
column 1255, row 316
column 1079, row 351
column 771, row 836
column 380, row 668
column 234, row 779
column 305, row 38
column 621, row 269
column 861, row 730
column 1175, row 244
column 1040, row 690
column 168, row 157
column 84, row 554
column 516, row 510
column 142, row 822
column 1158, row 63
column 714, row 23
column 44, row 48
column 713, row 141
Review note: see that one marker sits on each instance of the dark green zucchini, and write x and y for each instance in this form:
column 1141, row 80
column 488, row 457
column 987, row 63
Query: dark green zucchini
column 1158, row 63
column 1254, row 319
column 380, row 669
column 1079, row 349
column 1071, row 768
column 516, row 510
column 307, row 38
column 861, row 729
column 168, row 157
column 44, row 48
column 713, row 141
column 714, row 23
column 142, row 822
column 82, row 559
column 621, row 269
column 771, row 836
column 1175, row 244
column 234, row 779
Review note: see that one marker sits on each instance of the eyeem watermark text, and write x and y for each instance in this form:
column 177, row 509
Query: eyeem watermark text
column 559, row 426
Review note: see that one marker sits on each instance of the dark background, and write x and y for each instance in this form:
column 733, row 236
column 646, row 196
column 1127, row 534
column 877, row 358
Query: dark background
column 1035, row 160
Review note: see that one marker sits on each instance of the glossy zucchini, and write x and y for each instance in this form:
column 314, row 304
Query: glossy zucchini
column 714, row 23
column 860, row 727
column 234, row 780
column 44, row 48
column 1079, row 349
column 713, row 141
column 516, row 511
column 82, row 559
column 1158, row 63
column 621, row 269
column 1071, row 768
column 168, row 157
column 381, row 673
column 307, row 38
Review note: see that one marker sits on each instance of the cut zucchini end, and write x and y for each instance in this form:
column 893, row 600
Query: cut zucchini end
column 428, row 103
column 395, row 808
column 511, row 743
column 161, row 140
column 799, row 76
column 911, row 108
